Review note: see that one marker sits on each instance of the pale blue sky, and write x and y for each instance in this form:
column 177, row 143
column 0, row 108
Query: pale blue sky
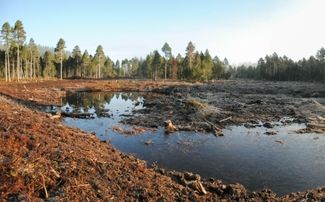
column 241, row 30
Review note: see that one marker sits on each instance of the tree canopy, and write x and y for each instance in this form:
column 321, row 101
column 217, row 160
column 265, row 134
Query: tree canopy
column 60, row 54
column 21, row 60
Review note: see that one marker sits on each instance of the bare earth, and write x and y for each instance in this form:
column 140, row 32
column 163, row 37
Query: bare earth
column 41, row 159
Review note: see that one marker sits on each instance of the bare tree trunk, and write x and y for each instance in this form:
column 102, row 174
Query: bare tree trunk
column 8, row 65
column 78, row 71
column 155, row 74
column 18, row 64
column 61, row 66
column 165, row 70
column 83, row 71
column 31, row 65
column 13, row 68
column 99, row 71
column 170, row 70
column 31, row 68
column 21, row 70
column 37, row 65
column 26, row 68
column 34, row 67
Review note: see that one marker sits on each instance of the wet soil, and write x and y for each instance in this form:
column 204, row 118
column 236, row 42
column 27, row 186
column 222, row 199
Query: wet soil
column 49, row 92
column 41, row 159
column 215, row 105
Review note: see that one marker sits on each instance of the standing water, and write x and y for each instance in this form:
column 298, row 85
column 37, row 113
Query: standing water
column 321, row 100
column 286, row 162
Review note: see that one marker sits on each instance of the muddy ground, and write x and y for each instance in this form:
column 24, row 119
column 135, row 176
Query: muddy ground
column 41, row 159
column 215, row 105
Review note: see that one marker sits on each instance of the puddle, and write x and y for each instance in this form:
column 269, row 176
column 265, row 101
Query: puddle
column 321, row 100
column 286, row 162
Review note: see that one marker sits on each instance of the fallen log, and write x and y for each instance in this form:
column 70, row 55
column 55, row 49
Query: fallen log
column 215, row 129
column 85, row 115
column 214, row 126
column 226, row 119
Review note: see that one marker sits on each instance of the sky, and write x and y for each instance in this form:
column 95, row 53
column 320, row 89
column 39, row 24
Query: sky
column 240, row 30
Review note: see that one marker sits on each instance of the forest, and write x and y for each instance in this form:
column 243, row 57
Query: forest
column 276, row 68
column 22, row 59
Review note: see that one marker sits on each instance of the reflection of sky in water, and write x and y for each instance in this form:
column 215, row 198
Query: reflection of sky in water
column 321, row 100
column 243, row 155
column 117, row 103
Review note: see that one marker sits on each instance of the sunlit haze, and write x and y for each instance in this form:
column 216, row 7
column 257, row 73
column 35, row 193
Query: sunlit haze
column 242, row 31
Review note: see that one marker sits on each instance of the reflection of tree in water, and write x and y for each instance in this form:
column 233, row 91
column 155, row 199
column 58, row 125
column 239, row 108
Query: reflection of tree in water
column 85, row 101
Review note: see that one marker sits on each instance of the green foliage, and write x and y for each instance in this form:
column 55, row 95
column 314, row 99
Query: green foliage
column 219, row 68
column 60, row 46
column 207, row 66
column 156, row 64
column 6, row 34
column 19, row 33
column 19, row 39
column 321, row 54
column 99, row 59
column 273, row 67
column 21, row 60
column 48, row 65
column 167, row 50
column 125, row 68
column 117, row 68
column 76, row 61
column 168, row 53
column 85, row 64
column 134, row 66
column 189, row 55
column 59, row 50
column 108, row 71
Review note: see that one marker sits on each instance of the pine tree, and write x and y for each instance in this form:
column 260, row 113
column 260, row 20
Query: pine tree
column 20, row 37
column 190, row 54
column 34, row 58
column 85, row 64
column 6, row 34
column 49, row 68
column 100, row 57
column 207, row 66
column 76, row 55
column 156, row 62
column 59, row 50
column 166, row 49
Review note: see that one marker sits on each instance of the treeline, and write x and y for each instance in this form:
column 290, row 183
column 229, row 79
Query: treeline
column 27, row 60
column 273, row 67
column 22, row 60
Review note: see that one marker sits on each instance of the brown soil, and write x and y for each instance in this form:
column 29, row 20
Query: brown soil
column 41, row 159
column 212, row 106
column 49, row 92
